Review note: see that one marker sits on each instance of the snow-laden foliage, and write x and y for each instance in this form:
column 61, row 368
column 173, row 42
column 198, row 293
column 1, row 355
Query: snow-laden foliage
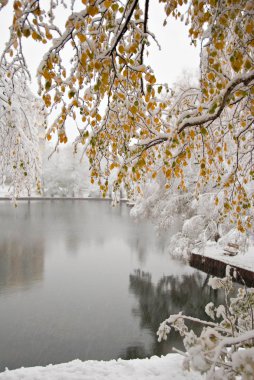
column 193, row 211
column 224, row 349
column 190, row 219
column 122, row 113
column 22, row 121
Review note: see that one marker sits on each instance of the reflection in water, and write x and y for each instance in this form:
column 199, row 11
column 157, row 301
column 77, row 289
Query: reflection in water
column 134, row 352
column 81, row 254
column 187, row 293
column 21, row 263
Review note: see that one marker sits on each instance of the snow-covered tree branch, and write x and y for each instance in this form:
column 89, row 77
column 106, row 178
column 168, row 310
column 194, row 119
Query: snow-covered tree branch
column 224, row 349
column 145, row 127
column 22, row 122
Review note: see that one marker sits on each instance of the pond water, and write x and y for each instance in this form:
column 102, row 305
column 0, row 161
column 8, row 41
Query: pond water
column 80, row 279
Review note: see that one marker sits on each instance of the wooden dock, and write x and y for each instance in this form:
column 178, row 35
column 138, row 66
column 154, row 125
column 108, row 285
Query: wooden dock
column 218, row 268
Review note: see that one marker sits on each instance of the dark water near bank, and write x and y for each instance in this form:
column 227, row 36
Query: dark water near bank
column 80, row 279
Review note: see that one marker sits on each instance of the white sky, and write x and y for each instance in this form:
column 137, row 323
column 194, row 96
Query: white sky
column 176, row 54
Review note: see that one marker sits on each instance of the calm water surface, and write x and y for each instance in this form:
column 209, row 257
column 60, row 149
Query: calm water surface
column 80, row 279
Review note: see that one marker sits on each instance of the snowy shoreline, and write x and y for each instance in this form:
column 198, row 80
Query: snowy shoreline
column 160, row 368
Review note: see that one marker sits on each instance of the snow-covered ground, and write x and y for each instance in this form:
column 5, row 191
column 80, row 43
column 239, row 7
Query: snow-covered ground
column 242, row 260
column 163, row 368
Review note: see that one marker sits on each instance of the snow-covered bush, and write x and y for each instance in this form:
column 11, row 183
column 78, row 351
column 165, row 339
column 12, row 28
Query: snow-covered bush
column 189, row 219
column 225, row 347
column 180, row 246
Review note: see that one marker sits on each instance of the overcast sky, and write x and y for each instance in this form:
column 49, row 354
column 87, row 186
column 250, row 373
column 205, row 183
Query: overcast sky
column 176, row 54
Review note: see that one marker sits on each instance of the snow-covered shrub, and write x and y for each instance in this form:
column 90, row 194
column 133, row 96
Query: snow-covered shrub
column 225, row 347
column 180, row 246
column 189, row 220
